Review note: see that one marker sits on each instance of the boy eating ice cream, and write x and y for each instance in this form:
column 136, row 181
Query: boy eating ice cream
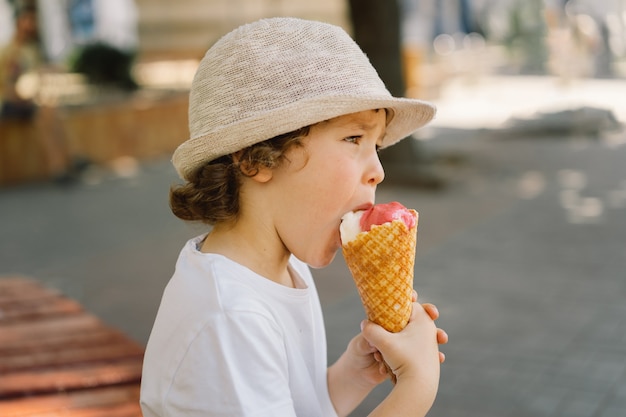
column 286, row 117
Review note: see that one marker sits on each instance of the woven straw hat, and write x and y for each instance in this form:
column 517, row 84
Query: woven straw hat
column 278, row 75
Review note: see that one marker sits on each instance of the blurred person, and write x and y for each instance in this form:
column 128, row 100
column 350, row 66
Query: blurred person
column 116, row 24
column 20, row 56
column 71, row 24
column 286, row 118
column 23, row 56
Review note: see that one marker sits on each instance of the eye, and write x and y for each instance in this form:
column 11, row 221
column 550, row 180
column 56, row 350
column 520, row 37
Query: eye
column 353, row 139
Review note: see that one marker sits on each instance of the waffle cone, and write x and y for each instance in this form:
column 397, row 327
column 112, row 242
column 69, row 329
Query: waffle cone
column 381, row 262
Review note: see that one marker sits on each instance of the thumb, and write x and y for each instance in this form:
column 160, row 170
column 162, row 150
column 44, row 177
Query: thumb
column 374, row 334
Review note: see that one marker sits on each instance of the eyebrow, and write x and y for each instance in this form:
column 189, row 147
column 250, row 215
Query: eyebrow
column 365, row 126
column 354, row 124
column 370, row 127
column 361, row 125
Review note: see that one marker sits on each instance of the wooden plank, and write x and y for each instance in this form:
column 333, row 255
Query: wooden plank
column 58, row 360
column 96, row 402
column 65, row 378
column 70, row 356
column 129, row 409
column 49, row 328
column 90, row 337
column 39, row 307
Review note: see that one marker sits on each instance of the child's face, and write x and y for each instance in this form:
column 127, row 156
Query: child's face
column 336, row 171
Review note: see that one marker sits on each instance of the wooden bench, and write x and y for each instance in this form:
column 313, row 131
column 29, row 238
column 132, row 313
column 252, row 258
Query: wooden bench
column 139, row 126
column 21, row 156
column 58, row 360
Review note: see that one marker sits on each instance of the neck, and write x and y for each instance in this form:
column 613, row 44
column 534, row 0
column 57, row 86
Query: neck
column 258, row 250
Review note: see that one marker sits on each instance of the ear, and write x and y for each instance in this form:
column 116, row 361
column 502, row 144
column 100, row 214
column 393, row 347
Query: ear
column 262, row 174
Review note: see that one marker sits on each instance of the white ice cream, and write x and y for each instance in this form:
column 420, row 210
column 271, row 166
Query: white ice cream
column 350, row 226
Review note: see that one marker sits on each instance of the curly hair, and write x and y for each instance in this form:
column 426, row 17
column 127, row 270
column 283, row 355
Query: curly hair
column 211, row 194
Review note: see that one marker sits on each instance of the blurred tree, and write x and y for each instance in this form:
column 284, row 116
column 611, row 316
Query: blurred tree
column 527, row 36
column 377, row 30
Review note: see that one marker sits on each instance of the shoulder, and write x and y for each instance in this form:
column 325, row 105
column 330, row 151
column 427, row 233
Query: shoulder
column 208, row 284
column 211, row 291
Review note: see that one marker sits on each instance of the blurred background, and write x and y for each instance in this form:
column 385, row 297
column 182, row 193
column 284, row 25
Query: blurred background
column 520, row 180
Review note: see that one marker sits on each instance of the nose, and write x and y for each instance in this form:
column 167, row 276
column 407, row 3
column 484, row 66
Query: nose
column 375, row 173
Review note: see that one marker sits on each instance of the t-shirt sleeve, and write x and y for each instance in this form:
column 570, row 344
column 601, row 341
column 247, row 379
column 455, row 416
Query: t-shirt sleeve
column 235, row 365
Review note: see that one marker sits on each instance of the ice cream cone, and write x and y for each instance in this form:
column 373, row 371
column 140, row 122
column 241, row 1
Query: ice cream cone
column 381, row 262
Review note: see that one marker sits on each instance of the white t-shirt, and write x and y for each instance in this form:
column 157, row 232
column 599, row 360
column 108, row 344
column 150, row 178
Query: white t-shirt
column 228, row 342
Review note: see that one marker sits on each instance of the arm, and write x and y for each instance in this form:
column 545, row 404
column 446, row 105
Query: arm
column 417, row 375
column 354, row 375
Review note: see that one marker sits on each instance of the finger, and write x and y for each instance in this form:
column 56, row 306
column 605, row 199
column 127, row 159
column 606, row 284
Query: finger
column 414, row 296
column 432, row 310
column 442, row 336
column 442, row 357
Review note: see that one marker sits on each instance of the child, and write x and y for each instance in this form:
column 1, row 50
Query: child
column 286, row 117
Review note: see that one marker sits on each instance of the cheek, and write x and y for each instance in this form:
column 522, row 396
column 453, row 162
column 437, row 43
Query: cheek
column 320, row 193
column 339, row 173
column 333, row 190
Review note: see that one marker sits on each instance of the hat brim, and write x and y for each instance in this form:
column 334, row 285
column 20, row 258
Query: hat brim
column 408, row 116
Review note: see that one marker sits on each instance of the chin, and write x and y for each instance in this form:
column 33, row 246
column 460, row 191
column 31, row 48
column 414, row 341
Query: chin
column 323, row 257
column 322, row 263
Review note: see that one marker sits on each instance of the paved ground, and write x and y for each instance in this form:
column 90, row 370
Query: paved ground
column 524, row 252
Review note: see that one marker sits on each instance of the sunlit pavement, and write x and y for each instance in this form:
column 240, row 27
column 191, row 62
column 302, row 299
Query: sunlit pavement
column 523, row 252
column 489, row 101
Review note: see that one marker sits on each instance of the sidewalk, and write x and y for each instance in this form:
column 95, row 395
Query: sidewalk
column 489, row 101
column 523, row 253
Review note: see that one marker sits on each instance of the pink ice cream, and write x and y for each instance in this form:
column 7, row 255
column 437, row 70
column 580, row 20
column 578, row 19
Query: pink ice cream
column 384, row 213
column 354, row 223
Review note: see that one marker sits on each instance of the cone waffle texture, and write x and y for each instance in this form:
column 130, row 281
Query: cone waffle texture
column 381, row 262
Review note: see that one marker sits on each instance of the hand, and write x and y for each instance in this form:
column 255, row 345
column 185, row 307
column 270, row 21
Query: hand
column 410, row 351
column 366, row 361
column 442, row 337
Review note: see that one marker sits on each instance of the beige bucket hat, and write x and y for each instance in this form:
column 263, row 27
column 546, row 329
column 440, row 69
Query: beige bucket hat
column 278, row 75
